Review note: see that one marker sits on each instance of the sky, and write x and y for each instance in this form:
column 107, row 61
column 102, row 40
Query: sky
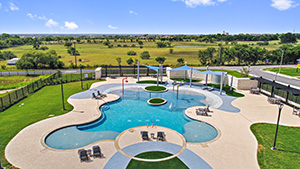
column 149, row 16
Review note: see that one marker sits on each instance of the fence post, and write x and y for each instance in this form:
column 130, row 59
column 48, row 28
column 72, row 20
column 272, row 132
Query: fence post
column 147, row 71
column 17, row 94
column 2, row 106
column 105, row 70
column 134, row 69
column 23, row 91
column 9, row 98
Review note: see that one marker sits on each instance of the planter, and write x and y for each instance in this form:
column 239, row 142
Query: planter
column 157, row 89
column 156, row 101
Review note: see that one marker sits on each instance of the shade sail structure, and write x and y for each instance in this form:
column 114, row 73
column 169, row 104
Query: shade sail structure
column 185, row 67
column 152, row 67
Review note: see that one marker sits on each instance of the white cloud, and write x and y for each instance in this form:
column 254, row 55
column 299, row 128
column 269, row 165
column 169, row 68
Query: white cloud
column 71, row 25
column 42, row 17
column 132, row 12
column 35, row 16
column 31, row 16
column 112, row 27
column 51, row 23
column 0, row 5
column 13, row 7
column 194, row 3
column 283, row 4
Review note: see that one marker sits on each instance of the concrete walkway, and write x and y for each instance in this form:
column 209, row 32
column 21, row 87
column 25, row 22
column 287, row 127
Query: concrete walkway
column 236, row 146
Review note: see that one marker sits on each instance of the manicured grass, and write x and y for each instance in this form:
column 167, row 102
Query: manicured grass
column 11, row 82
column 287, row 144
column 149, row 82
column 155, row 88
column 174, row 163
column 35, row 107
column 186, row 80
column 232, row 73
column 156, row 100
column 289, row 71
column 227, row 90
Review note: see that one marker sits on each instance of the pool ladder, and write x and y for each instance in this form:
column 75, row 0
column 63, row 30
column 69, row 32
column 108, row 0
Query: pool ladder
column 150, row 125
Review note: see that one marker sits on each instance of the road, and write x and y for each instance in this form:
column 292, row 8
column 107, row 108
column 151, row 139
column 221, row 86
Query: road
column 255, row 71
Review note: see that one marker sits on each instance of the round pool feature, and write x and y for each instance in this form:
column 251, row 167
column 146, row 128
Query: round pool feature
column 132, row 110
column 156, row 101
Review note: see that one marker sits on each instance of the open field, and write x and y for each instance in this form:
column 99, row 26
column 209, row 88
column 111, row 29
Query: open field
column 99, row 54
column 11, row 82
column 35, row 107
column 289, row 71
column 288, row 141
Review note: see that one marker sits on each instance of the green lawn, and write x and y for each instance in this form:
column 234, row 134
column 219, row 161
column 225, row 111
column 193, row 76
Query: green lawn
column 288, row 141
column 231, row 72
column 174, row 163
column 156, row 100
column 11, row 82
column 290, row 71
column 155, row 88
column 35, row 107
column 186, row 80
column 227, row 90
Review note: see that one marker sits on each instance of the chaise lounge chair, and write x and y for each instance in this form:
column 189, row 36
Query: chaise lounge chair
column 96, row 97
column 101, row 95
column 144, row 135
column 211, row 88
column 202, row 112
column 205, row 109
column 97, row 151
column 83, row 155
column 161, row 136
column 204, row 87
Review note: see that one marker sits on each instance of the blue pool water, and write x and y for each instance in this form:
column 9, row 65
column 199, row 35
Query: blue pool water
column 132, row 110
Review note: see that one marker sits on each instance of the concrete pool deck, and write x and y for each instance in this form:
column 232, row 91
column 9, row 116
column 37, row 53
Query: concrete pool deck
column 236, row 147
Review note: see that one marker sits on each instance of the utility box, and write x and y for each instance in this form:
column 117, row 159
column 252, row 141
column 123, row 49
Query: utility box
column 98, row 73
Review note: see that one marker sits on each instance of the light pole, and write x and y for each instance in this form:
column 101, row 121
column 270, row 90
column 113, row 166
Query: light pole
column 62, row 94
column 81, row 76
column 280, row 106
column 177, row 90
column 75, row 54
column 123, row 84
column 280, row 63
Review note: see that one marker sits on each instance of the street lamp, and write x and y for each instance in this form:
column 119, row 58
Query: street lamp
column 280, row 63
column 280, row 106
column 123, row 84
column 62, row 94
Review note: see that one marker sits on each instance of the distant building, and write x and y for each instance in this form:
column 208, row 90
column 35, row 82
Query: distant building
column 13, row 61
column 225, row 33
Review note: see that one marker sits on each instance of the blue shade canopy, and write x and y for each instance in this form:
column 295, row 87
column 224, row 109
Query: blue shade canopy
column 185, row 67
column 152, row 67
column 213, row 73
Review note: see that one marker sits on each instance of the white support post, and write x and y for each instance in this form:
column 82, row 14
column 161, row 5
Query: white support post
column 162, row 71
column 138, row 71
column 221, row 85
column 231, row 83
column 206, row 76
column 157, row 76
column 225, row 80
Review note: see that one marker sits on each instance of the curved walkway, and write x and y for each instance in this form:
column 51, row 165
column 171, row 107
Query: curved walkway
column 190, row 159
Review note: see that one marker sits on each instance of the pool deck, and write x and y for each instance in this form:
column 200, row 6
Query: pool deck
column 235, row 147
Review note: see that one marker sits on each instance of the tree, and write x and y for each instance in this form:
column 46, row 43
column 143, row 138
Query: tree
column 202, row 57
column 210, row 53
column 180, row 61
column 160, row 44
column 129, row 61
column 44, row 48
column 288, row 38
column 73, row 52
column 145, row 55
column 140, row 42
column 68, row 44
column 119, row 60
column 36, row 46
column 131, row 52
column 7, row 55
column 171, row 51
column 160, row 60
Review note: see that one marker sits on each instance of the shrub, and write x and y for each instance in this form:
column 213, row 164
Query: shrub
column 145, row 55
column 245, row 71
column 125, row 46
column 79, row 60
column 131, row 52
column 140, row 42
column 171, row 51
column 141, row 47
column 44, row 48
column 3, row 67
column 160, row 60
column 129, row 61
column 106, row 43
column 119, row 45
column 133, row 45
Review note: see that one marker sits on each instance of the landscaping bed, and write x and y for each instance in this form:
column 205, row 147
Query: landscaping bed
column 156, row 89
column 157, row 101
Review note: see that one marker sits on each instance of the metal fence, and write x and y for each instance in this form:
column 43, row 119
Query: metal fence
column 15, row 96
column 109, row 71
column 281, row 93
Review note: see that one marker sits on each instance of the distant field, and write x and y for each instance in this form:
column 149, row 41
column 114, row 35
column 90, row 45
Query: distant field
column 99, row 54
column 11, row 82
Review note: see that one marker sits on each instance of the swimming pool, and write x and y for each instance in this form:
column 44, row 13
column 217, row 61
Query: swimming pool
column 132, row 110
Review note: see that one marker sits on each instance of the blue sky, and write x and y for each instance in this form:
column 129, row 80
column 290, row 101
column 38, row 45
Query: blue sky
column 149, row 16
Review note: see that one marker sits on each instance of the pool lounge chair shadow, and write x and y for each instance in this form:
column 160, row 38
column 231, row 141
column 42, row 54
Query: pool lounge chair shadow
column 288, row 151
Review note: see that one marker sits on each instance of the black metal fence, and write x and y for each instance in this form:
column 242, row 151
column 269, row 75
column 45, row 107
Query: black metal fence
column 15, row 96
column 281, row 93
column 110, row 71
